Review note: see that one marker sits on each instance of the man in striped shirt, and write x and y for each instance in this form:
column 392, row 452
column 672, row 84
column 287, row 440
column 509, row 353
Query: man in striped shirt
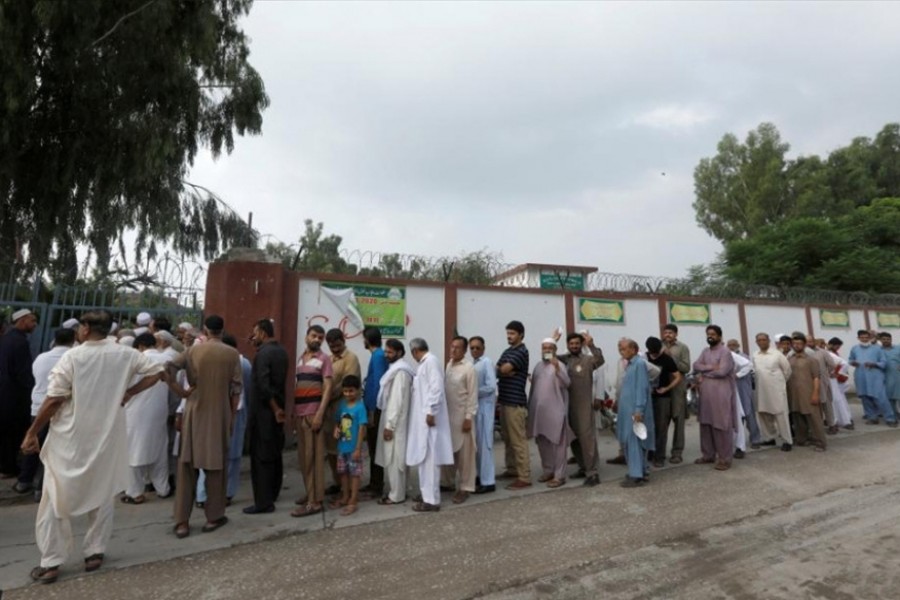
column 312, row 392
column 512, row 374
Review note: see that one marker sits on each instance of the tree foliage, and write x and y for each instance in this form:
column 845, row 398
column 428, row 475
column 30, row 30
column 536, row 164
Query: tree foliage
column 857, row 251
column 103, row 107
column 748, row 186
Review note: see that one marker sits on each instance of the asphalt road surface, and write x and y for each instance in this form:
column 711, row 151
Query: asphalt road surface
column 778, row 525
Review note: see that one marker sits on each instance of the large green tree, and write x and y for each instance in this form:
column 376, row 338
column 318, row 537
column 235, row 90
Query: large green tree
column 103, row 108
column 750, row 185
column 858, row 251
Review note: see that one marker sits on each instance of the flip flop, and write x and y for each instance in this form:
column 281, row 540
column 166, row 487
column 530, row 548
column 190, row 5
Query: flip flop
column 388, row 502
column 45, row 574
column 93, row 562
column 212, row 526
column 555, row 483
column 133, row 500
column 348, row 510
column 337, row 503
column 305, row 511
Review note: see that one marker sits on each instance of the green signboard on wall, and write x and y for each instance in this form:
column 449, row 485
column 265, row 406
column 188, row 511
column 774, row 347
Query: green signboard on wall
column 562, row 281
column 834, row 318
column 593, row 310
column 689, row 313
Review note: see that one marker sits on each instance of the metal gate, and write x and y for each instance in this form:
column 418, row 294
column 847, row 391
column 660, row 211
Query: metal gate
column 54, row 306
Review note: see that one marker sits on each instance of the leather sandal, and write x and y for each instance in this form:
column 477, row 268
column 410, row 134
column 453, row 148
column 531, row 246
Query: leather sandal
column 45, row 574
column 93, row 562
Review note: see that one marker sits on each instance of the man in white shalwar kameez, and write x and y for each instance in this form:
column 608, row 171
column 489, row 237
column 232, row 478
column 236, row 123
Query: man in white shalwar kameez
column 394, row 391
column 85, row 455
column 839, row 385
column 772, row 373
column 742, row 368
column 428, row 445
column 145, row 419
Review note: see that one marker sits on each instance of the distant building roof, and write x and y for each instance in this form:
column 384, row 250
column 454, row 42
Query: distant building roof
column 545, row 267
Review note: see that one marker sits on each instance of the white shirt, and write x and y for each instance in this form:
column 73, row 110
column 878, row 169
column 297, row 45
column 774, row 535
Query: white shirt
column 41, row 369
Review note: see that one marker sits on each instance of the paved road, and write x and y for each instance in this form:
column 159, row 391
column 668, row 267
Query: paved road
column 798, row 525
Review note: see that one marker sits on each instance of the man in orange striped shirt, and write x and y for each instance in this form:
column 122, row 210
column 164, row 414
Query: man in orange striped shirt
column 312, row 391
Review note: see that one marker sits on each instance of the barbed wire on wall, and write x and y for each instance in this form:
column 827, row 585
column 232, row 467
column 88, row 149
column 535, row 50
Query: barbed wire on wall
column 491, row 268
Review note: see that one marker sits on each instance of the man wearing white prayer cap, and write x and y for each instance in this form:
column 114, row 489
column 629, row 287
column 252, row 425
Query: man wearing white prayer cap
column 143, row 323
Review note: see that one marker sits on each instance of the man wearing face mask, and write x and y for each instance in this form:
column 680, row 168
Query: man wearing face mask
column 870, row 363
column 718, row 422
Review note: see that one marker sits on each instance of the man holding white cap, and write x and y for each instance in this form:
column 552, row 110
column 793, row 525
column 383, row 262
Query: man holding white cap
column 635, row 414
column 143, row 321
column 16, row 383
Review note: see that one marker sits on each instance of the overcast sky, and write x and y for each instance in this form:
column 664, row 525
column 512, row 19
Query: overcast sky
column 539, row 130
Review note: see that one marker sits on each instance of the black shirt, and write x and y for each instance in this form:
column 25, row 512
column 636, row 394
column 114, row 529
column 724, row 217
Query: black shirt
column 269, row 376
column 667, row 370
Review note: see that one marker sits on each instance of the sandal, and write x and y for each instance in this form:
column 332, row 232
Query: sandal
column 555, row 483
column 133, row 500
column 348, row 510
column 45, row 574
column 544, row 478
column 425, row 507
column 338, row 503
column 722, row 466
column 704, row 461
column 388, row 502
column 305, row 511
column 182, row 530
column 460, row 497
column 93, row 562
column 213, row 525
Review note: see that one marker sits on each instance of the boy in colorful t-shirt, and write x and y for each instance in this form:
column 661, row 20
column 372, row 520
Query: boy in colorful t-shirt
column 350, row 432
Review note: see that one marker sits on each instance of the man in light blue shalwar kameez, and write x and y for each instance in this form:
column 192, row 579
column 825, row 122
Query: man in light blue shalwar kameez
column 870, row 363
column 634, row 405
column 892, row 370
column 484, row 419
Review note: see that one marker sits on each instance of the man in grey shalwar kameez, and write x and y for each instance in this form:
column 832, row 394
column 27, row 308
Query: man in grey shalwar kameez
column 548, row 409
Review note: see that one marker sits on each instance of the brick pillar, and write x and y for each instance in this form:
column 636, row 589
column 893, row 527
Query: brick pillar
column 242, row 292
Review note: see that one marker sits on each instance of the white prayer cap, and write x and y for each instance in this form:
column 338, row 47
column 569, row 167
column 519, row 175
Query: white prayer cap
column 126, row 341
column 141, row 330
column 22, row 312
column 165, row 336
column 548, row 341
column 71, row 324
column 186, row 326
column 113, row 327
column 143, row 319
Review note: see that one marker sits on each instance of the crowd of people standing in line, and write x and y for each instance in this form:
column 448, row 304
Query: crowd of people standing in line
column 189, row 398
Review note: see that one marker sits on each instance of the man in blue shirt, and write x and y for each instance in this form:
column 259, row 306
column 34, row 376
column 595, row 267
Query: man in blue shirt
column 378, row 366
column 870, row 363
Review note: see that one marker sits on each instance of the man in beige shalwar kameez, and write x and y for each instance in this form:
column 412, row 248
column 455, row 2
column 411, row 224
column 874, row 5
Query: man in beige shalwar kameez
column 214, row 375
column 772, row 374
column 461, row 389
column 85, row 455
